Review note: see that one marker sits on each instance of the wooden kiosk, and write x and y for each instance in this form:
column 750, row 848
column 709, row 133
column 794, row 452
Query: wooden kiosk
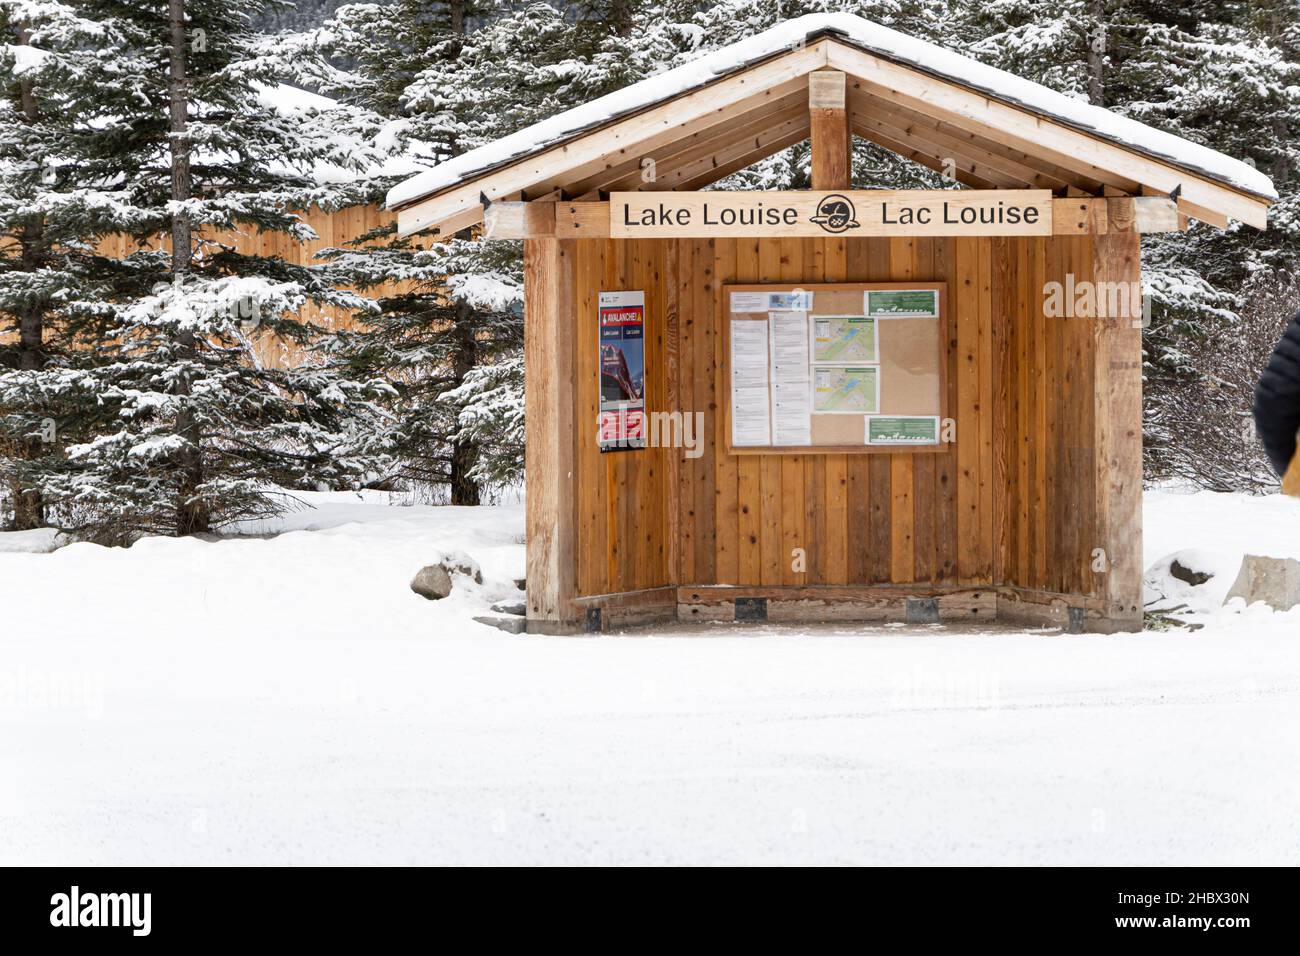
column 950, row 426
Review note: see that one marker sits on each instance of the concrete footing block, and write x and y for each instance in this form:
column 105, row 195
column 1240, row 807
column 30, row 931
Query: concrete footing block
column 1275, row 581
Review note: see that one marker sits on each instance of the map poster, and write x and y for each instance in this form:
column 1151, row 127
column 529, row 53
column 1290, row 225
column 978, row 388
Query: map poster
column 845, row 340
column 848, row 389
column 902, row 303
column 903, row 430
column 622, row 371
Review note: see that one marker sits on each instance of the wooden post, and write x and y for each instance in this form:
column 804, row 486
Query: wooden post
column 549, row 320
column 1117, row 429
column 831, row 140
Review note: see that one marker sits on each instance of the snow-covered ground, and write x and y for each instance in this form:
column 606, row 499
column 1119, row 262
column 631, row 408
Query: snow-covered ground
column 287, row 699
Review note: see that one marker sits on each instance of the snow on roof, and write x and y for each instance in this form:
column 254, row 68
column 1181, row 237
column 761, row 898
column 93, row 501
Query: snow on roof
column 290, row 100
column 871, row 37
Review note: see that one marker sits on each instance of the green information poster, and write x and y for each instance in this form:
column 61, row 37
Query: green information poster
column 902, row 430
column 902, row 303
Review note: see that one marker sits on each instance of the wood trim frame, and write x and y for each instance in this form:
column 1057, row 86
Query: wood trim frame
column 550, row 519
column 591, row 220
column 1117, row 438
column 945, row 360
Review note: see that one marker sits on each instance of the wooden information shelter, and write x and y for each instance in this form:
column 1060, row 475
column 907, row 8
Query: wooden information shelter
column 1024, row 502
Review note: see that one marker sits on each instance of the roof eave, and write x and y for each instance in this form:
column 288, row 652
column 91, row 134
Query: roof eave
column 831, row 33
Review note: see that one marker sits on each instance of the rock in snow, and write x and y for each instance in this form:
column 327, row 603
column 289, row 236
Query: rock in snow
column 1188, row 580
column 432, row 582
column 1275, row 581
column 1183, row 573
column 458, row 562
column 511, row 625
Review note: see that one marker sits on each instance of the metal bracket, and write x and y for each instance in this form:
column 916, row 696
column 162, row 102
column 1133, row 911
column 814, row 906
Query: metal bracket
column 922, row 610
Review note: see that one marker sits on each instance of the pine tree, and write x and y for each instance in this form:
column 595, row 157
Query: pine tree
column 1220, row 74
column 1233, row 90
column 51, row 212
column 201, row 432
column 451, row 77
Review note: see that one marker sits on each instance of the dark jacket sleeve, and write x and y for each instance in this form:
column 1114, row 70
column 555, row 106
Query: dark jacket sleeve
column 1277, row 399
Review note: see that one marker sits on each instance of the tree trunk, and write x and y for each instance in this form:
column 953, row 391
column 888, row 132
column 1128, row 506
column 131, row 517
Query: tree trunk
column 464, row 454
column 29, row 509
column 191, row 514
column 1281, row 163
column 620, row 16
column 1096, row 45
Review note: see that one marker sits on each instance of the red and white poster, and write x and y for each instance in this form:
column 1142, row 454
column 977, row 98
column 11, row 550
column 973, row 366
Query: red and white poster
column 622, row 371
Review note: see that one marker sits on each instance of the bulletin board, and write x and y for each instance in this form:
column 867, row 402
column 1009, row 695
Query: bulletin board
column 835, row 368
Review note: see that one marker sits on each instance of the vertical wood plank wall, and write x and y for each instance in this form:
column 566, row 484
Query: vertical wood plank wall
column 1011, row 503
column 333, row 229
column 622, row 499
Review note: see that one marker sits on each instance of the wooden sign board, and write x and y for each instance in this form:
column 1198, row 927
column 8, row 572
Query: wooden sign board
column 863, row 212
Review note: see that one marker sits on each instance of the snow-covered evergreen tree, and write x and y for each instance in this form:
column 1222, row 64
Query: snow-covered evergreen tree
column 51, row 212
column 450, row 76
column 201, row 432
column 1225, row 75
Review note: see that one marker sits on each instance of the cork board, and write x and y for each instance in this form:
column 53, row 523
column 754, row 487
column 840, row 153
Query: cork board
column 890, row 344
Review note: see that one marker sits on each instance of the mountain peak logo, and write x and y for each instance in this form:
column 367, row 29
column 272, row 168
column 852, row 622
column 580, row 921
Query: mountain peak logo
column 836, row 214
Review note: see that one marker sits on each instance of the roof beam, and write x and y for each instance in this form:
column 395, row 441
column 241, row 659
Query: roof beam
column 695, row 143
column 1065, row 146
column 1209, row 216
column 828, row 120
column 769, row 141
column 742, row 162
column 631, row 136
column 1080, row 169
column 963, row 159
column 965, row 176
column 1097, row 216
column 900, row 128
column 763, row 130
column 1010, row 160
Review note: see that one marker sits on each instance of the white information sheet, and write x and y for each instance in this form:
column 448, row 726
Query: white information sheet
column 791, row 387
column 750, row 418
column 749, row 302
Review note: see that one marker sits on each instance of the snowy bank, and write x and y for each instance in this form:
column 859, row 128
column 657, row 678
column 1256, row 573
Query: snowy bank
column 289, row 700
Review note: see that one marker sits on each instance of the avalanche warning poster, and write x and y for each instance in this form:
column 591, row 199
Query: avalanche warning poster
column 622, row 371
